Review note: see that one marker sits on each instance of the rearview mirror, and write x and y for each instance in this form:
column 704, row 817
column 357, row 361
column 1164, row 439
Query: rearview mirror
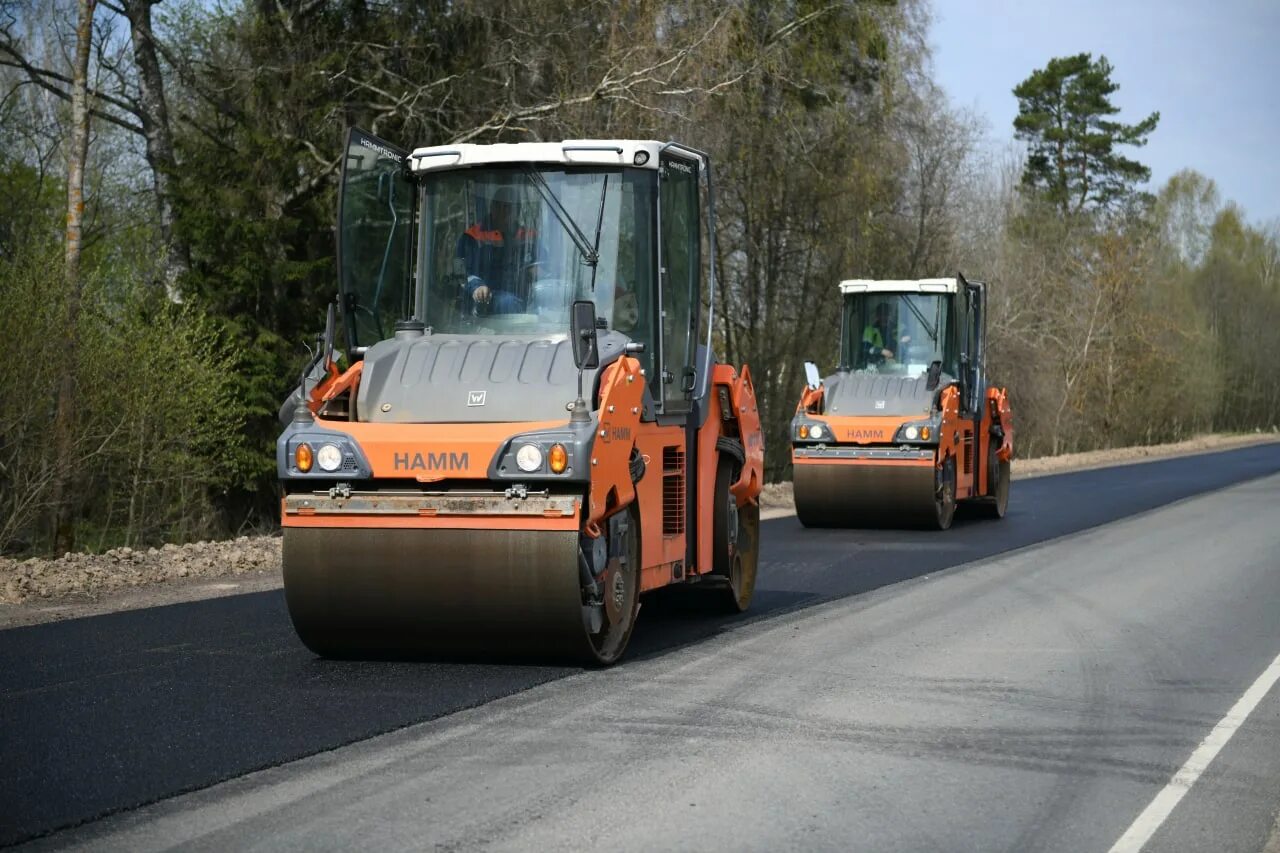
column 330, row 320
column 586, row 352
column 811, row 375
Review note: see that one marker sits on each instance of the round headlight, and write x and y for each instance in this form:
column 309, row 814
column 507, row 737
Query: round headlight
column 529, row 458
column 816, row 431
column 329, row 457
column 911, row 433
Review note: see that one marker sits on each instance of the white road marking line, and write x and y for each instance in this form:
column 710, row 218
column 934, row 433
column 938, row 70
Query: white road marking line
column 1140, row 832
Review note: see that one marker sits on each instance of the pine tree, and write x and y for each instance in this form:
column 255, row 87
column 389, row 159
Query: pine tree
column 1064, row 113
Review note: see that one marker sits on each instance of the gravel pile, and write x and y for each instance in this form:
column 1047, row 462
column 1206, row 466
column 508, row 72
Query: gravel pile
column 92, row 575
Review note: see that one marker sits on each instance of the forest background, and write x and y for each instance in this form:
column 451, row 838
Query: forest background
column 139, row 404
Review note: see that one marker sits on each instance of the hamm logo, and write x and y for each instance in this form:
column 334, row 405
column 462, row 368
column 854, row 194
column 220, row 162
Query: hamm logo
column 442, row 461
column 865, row 434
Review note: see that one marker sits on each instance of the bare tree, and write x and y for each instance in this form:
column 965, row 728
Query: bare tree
column 135, row 101
column 78, row 153
column 153, row 114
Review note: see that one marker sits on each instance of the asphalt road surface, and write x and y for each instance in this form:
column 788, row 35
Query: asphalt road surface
column 1039, row 700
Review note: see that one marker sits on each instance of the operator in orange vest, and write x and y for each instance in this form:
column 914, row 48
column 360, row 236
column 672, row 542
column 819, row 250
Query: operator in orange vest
column 499, row 257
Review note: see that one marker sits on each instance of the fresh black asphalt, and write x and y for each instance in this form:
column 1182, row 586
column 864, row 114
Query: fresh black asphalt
column 115, row 711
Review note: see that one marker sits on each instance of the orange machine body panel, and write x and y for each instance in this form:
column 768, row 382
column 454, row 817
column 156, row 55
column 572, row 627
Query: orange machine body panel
column 433, row 452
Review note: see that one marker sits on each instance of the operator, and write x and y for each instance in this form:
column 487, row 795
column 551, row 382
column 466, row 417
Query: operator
column 876, row 333
column 498, row 256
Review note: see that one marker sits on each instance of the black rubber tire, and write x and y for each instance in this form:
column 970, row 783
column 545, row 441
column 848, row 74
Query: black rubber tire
column 944, row 501
column 732, row 581
column 996, row 504
column 732, row 448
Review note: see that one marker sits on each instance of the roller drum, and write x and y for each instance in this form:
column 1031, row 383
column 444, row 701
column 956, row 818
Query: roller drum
column 866, row 495
column 429, row 592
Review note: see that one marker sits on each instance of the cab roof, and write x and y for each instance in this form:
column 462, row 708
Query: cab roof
column 919, row 285
column 571, row 152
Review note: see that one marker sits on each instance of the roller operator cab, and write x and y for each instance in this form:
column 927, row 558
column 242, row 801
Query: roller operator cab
column 908, row 424
column 531, row 430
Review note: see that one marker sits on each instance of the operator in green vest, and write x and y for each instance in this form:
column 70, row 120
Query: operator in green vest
column 875, row 335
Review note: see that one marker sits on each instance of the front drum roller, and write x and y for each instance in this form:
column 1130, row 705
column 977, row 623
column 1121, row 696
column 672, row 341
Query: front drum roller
column 871, row 495
column 359, row 592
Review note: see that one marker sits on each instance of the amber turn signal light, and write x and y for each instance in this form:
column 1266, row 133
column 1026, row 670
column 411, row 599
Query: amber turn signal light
column 302, row 457
column 804, row 431
column 924, row 433
column 558, row 459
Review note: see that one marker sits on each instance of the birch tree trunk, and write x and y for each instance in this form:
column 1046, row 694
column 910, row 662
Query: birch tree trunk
column 154, row 115
column 77, row 154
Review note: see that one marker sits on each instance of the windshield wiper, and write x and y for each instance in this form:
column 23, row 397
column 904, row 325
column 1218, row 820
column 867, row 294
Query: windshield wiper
column 933, row 332
column 589, row 253
column 595, row 247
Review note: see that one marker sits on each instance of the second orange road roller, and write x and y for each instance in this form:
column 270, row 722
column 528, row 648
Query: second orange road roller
column 908, row 424
column 529, row 430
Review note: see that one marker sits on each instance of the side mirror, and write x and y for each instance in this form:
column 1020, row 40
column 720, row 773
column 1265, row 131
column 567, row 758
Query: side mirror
column 586, row 351
column 811, row 375
column 330, row 320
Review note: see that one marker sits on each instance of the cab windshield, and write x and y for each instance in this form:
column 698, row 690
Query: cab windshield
column 900, row 334
column 508, row 250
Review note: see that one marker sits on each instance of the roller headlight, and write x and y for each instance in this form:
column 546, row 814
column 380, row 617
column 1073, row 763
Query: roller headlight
column 920, row 431
column 329, row 457
column 529, row 458
column 816, row 431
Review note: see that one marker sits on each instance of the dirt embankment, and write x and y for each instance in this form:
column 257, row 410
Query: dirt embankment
column 42, row 590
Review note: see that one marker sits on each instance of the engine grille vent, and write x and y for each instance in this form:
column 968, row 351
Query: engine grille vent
column 672, row 491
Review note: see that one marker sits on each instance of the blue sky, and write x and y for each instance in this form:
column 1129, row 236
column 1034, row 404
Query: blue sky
column 1212, row 69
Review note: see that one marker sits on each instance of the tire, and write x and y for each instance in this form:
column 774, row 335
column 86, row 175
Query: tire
column 944, row 500
column 996, row 504
column 735, row 539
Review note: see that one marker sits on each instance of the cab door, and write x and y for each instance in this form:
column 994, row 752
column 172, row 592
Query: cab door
column 680, row 279
column 970, row 474
column 376, row 211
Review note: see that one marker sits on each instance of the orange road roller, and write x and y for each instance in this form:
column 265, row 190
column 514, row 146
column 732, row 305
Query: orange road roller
column 908, row 424
column 529, row 430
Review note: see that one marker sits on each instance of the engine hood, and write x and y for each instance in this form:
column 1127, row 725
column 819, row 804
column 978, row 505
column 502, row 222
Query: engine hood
column 877, row 394
column 471, row 379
